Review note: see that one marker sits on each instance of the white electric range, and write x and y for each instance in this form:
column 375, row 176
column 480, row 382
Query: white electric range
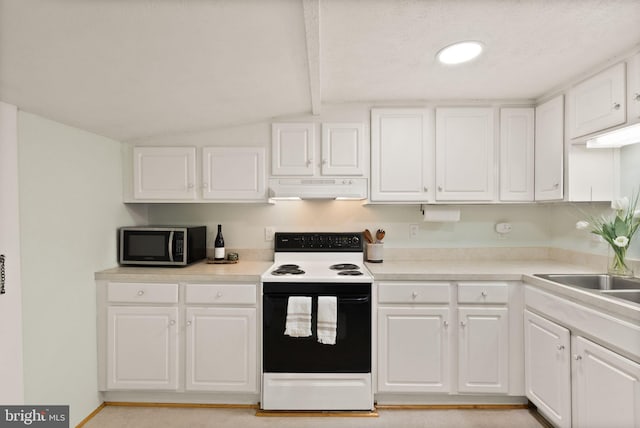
column 300, row 373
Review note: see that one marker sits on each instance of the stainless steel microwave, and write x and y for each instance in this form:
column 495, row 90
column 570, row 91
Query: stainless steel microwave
column 162, row 245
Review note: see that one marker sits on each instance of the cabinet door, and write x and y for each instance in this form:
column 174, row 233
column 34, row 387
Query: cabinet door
column 599, row 102
column 402, row 154
column 465, row 167
column 483, row 350
column 633, row 80
column 233, row 173
column 606, row 389
column 343, row 149
column 548, row 368
column 164, row 173
column 549, row 150
column 413, row 349
column 141, row 348
column 292, row 148
column 592, row 173
column 516, row 154
column 221, row 349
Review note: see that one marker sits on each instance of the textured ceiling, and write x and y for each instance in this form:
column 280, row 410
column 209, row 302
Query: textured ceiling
column 143, row 68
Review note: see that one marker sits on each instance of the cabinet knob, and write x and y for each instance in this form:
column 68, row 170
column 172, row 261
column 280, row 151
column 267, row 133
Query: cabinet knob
column 140, row 292
column 577, row 357
column 309, row 161
column 414, row 294
column 463, row 324
column 426, row 189
column 616, row 106
column 324, row 162
column 556, row 185
column 204, row 185
column 439, row 188
column 219, row 294
column 560, row 347
column 172, row 322
column 190, row 186
column 636, row 96
column 445, row 324
column 188, row 323
column 484, row 294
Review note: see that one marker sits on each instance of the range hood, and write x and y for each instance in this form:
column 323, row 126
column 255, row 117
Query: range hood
column 318, row 188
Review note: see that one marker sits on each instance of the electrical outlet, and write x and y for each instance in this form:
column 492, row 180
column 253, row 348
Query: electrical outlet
column 269, row 233
column 413, row 230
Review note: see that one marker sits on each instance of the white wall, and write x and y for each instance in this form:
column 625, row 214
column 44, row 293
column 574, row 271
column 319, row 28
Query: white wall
column 70, row 190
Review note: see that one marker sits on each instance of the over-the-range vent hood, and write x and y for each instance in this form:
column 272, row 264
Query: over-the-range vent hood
column 318, row 188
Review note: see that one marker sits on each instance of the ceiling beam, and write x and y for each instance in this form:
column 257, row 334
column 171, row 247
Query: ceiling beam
column 312, row 32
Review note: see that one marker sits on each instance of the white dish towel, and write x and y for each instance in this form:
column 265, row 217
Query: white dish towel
column 327, row 319
column 298, row 323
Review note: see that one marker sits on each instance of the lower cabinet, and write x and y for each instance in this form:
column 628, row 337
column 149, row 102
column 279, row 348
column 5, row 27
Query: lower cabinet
column 142, row 348
column 483, row 350
column 413, row 349
column 574, row 381
column 548, row 368
column 154, row 338
column 221, row 349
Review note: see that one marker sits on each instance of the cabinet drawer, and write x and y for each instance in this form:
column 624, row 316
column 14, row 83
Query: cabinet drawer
column 138, row 292
column 482, row 292
column 221, row 293
column 413, row 292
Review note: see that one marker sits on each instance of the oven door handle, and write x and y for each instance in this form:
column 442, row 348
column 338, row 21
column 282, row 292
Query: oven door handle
column 353, row 299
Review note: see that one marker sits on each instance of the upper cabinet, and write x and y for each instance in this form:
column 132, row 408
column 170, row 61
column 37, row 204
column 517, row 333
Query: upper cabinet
column 598, row 103
column 464, row 154
column 402, row 154
column 549, row 150
column 169, row 174
column 292, row 149
column 294, row 152
column 164, row 173
column 633, row 80
column 517, row 154
column 343, row 149
column 233, row 173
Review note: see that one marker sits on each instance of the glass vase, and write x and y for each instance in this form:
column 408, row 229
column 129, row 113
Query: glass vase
column 618, row 265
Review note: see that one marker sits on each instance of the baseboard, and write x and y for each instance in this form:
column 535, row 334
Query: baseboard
column 317, row 414
column 91, row 415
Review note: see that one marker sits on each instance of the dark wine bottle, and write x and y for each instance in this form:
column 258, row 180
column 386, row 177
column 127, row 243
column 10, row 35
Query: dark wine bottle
column 218, row 247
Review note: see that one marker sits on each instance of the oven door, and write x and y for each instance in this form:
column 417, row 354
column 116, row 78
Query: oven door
column 352, row 351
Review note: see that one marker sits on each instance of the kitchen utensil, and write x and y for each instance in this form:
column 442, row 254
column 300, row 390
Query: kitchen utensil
column 380, row 235
column 367, row 236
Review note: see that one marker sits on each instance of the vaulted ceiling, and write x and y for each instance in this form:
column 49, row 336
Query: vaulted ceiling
column 142, row 68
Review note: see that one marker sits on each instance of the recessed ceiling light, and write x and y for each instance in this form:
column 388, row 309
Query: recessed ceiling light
column 458, row 53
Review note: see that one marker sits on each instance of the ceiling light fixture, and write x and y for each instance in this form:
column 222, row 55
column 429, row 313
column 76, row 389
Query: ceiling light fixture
column 460, row 52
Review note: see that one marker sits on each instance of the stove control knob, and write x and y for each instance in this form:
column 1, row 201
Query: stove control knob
column 355, row 239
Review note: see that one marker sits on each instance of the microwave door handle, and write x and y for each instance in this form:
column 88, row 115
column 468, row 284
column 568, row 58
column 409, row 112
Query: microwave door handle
column 170, row 246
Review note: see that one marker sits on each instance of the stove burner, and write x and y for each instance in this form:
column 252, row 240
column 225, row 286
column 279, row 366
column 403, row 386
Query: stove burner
column 289, row 269
column 344, row 266
column 350, row 272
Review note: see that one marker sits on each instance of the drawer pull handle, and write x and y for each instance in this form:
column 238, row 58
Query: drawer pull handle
column 140, row 292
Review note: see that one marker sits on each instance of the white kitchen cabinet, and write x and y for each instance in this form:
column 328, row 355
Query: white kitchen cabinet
column 221, row 349
column 164, row 173
column 517, row 135
column 598, row 103
column 592, row 174
column 343, row 149
column 606, row 391
column 547, row 349
column 549, row 150
column 483, row 349
column 402, row 155
column 233, row 173
column 292, row 149
column 465, row 154
column 633, row 90
column 142, row 348
column 413, row 349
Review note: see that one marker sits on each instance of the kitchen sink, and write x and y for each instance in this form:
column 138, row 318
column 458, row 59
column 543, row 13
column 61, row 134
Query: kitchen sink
column 600, row 282
column 630, row 295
